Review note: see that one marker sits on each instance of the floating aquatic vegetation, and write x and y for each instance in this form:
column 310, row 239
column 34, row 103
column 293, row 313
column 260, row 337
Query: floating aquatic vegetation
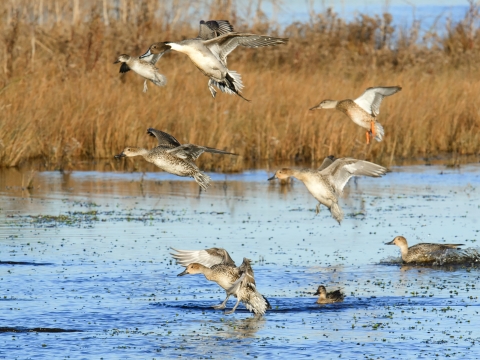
column 89, row 218
column 20, row 329
column 69, row 219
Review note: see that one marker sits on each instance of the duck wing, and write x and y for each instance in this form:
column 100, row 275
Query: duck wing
column 225, row 44
column 432, row 247
column 207, row 257
column 163, row 138
column 336, row 295
column 252, row 299
column 453, row 246
column 343, row 169
column 246, row 278
column 192, row 152
column 371, row 99
column 213, row 28
column 124, row 68
column 326, row 162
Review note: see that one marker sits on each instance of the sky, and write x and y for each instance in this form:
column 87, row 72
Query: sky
column 428, row 12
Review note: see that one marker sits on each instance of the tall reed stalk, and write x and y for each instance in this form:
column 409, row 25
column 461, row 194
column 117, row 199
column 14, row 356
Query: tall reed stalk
column 62, row 98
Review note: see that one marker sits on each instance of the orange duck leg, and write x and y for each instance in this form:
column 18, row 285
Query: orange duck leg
column 372, row 128
column 368, row 137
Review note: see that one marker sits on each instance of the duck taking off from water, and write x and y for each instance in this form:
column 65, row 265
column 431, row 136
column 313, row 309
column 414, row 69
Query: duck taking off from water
column 326, row 183
column 210, row 55
column 328, row 297
column 174, row 158
column 363, row 110
column 423, row 252
column 217, row 265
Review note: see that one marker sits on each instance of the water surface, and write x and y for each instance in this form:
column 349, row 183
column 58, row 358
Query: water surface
column 88, row 252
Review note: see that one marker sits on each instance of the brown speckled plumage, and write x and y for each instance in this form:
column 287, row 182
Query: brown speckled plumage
column 364, row 110
column 326, row 184
column 174, row 158
column 423, row 252
column 217, row 265
column 355, row 113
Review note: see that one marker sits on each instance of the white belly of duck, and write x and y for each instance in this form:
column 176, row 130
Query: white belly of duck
column 173, row 166
column 320, row 192
column 223, row 283
column 145, row 70
column 204, row 60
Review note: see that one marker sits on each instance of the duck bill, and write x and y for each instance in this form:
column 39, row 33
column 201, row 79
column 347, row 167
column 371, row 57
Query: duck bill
column 315, row 107
column 147, row 54
column 184, row 272
column 116, row 61
column 317, row 293
column 390, row 243
column 272, row 178
column 119, row 156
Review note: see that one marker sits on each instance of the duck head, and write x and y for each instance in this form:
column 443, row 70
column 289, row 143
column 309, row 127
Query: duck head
column 192, row 269
column 325, row 104
column 282, row 174
column 156, row 48
column 400, row 241
column 130, row 151
column 122, row 58
column 321, row 291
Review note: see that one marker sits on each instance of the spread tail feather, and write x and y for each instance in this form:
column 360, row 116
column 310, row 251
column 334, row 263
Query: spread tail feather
column 336, row 212
column 379, row 132
column 257, row 303
column 159, row 80
column 231, row 85
column 453, row 246
column 202, row 180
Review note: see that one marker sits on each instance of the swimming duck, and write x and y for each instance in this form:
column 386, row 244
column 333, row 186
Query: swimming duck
column 174, row 158
column 217, row 265
column 328, row 297
column 363, row 110
column 143, row 67
column 424, row 252
column 326, row 184
column 210, row 56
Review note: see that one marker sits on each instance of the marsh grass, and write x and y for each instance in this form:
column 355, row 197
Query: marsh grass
column 62, row 98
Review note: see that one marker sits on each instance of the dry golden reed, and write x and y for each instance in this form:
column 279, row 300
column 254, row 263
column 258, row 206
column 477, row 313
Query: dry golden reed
column 62, row 98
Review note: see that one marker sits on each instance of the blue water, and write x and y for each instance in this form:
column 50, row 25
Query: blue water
column 107, row 272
